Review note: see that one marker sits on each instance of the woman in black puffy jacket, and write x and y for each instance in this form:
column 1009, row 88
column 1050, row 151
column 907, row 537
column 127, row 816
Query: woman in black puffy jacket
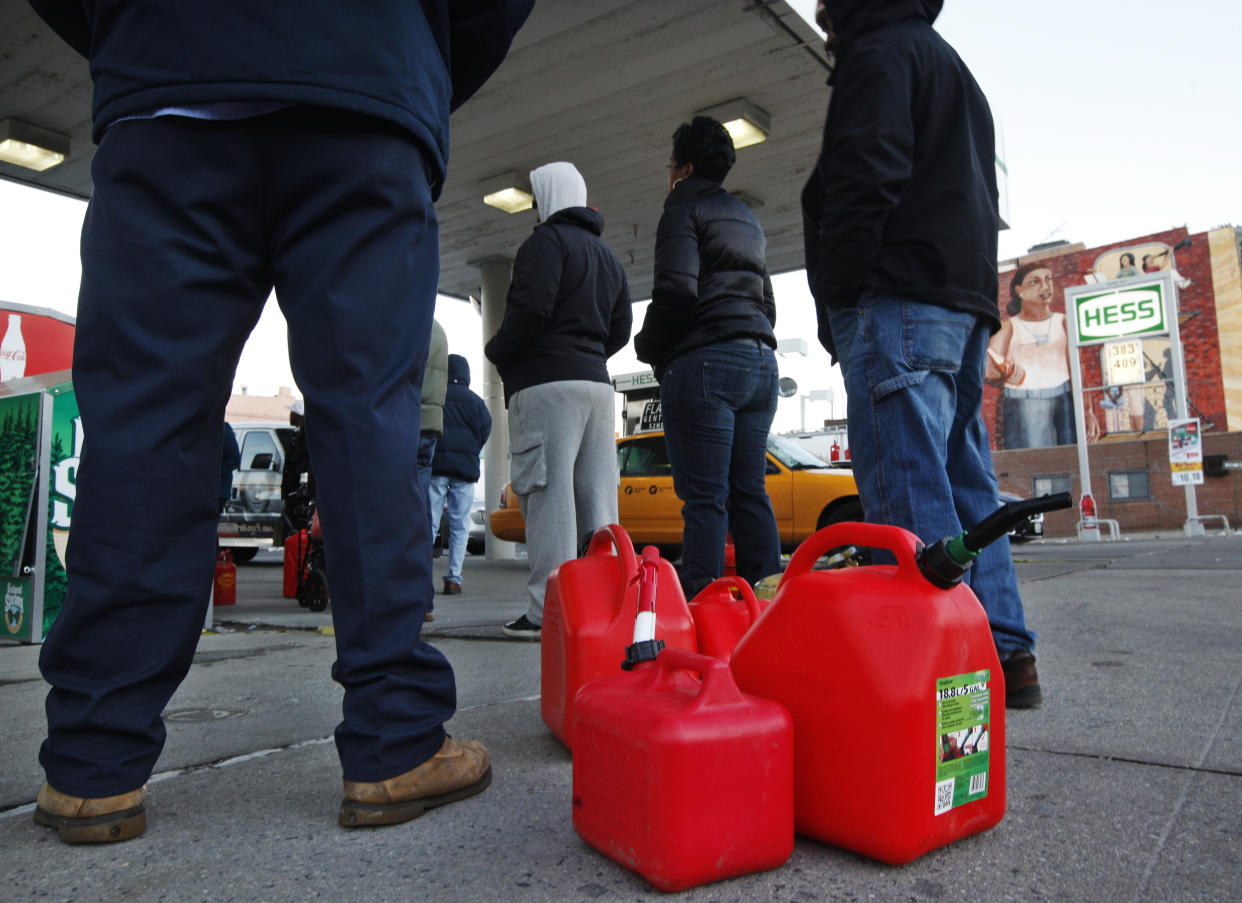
column 708, row 336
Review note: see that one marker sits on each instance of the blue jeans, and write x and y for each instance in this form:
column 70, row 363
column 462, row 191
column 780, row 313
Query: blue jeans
column 458, row 494
column 718, row 404
column 914, row 381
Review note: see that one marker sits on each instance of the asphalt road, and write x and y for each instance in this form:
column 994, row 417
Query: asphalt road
column 1125, row 786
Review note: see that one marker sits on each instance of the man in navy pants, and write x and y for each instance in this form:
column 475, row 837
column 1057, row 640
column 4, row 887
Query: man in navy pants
column 245, row 147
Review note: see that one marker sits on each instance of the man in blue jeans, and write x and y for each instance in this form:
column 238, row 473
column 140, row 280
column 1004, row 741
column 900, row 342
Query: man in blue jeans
column 901, row 224
column 253, row 146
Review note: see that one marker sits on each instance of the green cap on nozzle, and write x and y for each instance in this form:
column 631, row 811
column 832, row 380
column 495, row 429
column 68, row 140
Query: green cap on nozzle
column 943, row 563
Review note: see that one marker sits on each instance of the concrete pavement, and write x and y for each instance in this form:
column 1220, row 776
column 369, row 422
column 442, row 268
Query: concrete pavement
column 1126, row 785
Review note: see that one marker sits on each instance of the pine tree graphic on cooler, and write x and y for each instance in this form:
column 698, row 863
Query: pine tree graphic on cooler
column 13, row 350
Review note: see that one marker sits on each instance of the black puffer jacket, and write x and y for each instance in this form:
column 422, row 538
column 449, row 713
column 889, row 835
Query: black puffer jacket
column 903, row 198
column 467, row 424
column 568, row 309
column 711, row 276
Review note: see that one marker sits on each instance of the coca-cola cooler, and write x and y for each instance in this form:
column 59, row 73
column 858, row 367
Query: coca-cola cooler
column 40, row 440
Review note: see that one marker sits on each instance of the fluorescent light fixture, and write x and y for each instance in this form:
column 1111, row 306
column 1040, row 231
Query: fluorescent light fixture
column 509, row 192
column 747, row 124
column 31, row 147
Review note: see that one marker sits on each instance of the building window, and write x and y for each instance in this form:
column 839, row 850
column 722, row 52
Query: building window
column 1051, row 483
column 1128, row 484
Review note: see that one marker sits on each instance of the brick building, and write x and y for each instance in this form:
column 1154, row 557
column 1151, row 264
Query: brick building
column 1130, row 473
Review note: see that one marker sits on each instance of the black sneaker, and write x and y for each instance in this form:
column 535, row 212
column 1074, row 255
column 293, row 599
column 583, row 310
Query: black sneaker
column 1021, row 681
column 523, row 628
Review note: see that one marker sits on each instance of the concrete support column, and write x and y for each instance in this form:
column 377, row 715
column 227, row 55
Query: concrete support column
column 495, row 272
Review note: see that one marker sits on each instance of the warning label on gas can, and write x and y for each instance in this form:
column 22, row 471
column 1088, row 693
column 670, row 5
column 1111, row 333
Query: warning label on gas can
column 963, row 710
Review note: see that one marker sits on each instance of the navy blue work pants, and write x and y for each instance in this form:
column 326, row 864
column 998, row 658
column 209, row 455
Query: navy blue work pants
column 191, row 225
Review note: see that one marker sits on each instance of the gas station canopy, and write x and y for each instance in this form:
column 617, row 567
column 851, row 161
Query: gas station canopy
column 600, row 83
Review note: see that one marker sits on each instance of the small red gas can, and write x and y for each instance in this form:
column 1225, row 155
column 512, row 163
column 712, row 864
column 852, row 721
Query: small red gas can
column 723, row 611
column 224, row 588
column 896, row 693
column 681, row 780
column 296, row 548
column 588, row 620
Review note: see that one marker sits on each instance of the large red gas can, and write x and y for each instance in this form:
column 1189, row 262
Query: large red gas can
column 296, row 548
column 588, row 620
column 723, row 611
column 681, row 780
column 897, row 698
column 224, row 586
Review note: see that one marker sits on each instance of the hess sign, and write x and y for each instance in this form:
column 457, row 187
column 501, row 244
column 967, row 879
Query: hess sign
column 1131, row 311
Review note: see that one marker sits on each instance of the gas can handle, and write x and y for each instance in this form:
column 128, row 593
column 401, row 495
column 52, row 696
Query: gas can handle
column 718, row 684
column 901, row 543
column 747, row 593
column 614, row 536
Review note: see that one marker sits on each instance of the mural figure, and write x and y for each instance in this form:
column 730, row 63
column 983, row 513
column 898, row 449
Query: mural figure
column 1030, row 356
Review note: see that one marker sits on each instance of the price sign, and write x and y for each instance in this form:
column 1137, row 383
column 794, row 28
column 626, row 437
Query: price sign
column 1123, row 362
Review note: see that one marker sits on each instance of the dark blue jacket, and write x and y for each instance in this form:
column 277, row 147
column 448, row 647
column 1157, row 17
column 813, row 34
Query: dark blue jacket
column 406, row 61
column 568, row 308
column 711, row 275
column 467, row 424
column 903, row 198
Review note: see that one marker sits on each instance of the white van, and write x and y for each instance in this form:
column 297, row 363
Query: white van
column 253, row 515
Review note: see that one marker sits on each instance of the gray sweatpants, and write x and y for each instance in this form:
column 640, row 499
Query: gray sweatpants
column 563, row 467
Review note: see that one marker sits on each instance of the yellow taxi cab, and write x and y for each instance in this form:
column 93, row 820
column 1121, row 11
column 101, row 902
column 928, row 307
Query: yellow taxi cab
column 806, row 494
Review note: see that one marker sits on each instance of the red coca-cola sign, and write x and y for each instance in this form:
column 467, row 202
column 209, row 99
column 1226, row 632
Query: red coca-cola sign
column 34, row 340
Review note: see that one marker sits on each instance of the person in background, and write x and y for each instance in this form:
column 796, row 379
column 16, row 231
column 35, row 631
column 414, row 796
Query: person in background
column 230, row 460
column 431, row 419
column 250, row 148
column 709, row 337
column 900, row 217
column 1127, row 267
column 568, row 311
column 455, row 470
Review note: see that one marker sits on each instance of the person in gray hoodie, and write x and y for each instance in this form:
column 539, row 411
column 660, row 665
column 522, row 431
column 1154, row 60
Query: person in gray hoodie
column 567, row 312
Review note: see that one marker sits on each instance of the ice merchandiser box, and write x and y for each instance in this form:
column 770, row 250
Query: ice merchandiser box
column 40, row 441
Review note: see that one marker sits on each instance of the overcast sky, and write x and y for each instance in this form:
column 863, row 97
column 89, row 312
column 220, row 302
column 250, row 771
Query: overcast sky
column 1116, row 120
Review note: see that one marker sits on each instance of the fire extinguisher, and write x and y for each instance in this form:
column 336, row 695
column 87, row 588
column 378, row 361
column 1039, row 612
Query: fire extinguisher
column 1087, row 505
column 834, row 452
column 224, row 588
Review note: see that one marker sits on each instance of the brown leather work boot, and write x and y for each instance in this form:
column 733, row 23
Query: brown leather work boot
column 459, row 770
column 1021, row 681
column 105, row 819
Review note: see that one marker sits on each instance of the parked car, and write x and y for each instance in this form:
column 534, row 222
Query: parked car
column 252, row 517
column 806, row 494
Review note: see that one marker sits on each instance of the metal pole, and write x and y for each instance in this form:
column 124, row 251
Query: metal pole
column 1193, row 526
column 495, row 273
column 1091, row 533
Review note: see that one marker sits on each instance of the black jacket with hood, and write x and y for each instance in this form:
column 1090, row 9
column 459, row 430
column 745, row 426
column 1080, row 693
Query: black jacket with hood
column 405, row 61
column 711, row 276
column 467, row 424
column 568, row 308
column 903, row 197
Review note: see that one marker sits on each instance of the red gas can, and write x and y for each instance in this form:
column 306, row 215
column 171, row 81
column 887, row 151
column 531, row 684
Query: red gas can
column 682, row 781
column 723, row 611
column 897, row 698
column 588, row 620
column 224, row 587
column 297, row 546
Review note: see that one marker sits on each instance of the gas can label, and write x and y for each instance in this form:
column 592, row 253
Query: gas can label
column 963, row 709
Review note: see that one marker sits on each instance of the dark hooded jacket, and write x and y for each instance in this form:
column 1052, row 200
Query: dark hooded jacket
column 568, row 308
column 903, row 197
column 467, row 424
column 406, row 61
column 711, row 277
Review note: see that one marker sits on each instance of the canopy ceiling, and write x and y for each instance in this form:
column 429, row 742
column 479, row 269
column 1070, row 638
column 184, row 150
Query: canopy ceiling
column 601, row 83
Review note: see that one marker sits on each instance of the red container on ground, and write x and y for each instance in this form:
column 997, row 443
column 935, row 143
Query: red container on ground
column 296, row 548
column 224, row 587
column 681, row 780
column 588, row 620
column 723, row 611
column 897, row 698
